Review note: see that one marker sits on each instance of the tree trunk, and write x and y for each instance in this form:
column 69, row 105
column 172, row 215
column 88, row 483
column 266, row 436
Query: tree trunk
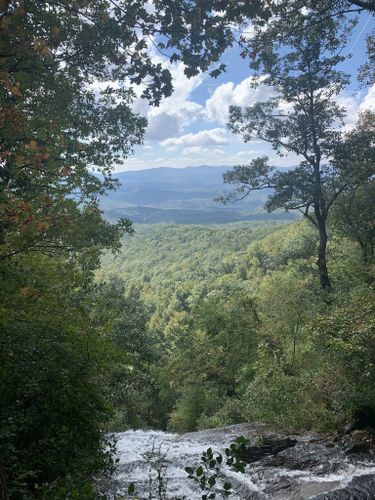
column 325, row 282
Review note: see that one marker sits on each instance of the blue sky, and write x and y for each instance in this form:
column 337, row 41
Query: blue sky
column 189, row 128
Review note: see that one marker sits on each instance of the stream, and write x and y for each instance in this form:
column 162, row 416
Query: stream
column 314, row 467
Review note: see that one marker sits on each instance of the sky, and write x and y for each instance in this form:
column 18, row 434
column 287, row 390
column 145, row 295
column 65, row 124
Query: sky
column 189, row 127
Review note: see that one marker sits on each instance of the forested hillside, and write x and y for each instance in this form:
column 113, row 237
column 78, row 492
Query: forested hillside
column 241, row 329
column 189, row 326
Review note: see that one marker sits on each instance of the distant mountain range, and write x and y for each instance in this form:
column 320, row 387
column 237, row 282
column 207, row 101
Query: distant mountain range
column 181, row 195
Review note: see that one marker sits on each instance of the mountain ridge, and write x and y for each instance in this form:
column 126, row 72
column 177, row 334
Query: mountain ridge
column 181, row 195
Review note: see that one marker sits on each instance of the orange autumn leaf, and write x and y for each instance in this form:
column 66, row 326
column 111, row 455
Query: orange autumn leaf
column 19, row 11
column 65, row 171
column 42, row 226
column 29, row 218
column 43, row 157
column 56, row 30
column 4, row 4
column 4, row 155
column 12, row 117
column 42, row 47
column 14, row 89
column 32, row 145
column 30, row 292
column 23, row 205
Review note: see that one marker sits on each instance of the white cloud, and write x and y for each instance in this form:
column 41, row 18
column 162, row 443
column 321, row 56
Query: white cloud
column 162, row 126
column 368, row 102
column 213, row 137
column 194, row 150
column 171, row 118
column 242, row 94
column 252, row 153
column 176, row 112
column 199, row 150
column 205, row 156
column 354, row 103
column 351, row 103
column 219, row 151
column 245, row 94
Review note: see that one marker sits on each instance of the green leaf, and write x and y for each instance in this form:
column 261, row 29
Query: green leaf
column 211, row 480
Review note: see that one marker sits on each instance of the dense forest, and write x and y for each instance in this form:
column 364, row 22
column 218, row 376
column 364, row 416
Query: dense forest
column 184, row 327
column 241, row 329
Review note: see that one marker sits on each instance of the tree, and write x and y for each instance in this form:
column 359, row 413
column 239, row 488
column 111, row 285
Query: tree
column 367, row 70
column 55, row 126
column 133, row 382
column 344, row 341
column 211, row 346
column 302, row 118
column 353, row 216
column 353, row 213
column 69, row 71
column 287, row 300
column 53, row 369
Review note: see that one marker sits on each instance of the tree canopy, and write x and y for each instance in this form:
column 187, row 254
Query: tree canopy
column 304, row 118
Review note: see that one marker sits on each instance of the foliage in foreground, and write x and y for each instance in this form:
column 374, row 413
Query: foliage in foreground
column 60, row 360
column 208, row 474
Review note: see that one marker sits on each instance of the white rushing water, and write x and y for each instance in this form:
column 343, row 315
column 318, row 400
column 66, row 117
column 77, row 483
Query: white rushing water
column 145, row 454
column 136, row 449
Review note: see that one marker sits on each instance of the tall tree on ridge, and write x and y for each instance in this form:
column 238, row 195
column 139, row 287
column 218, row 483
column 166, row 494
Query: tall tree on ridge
column 302, row 118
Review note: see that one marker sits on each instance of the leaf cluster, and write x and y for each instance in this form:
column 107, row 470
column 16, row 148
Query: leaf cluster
column 209, row 473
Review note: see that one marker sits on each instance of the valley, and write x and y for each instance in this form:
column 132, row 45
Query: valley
column 182, row 196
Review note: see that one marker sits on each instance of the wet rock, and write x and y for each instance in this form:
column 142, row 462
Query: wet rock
column 360, row 488
column 294, row 467
column 267, row 447
column 284, row 484
column 311, row 490
column 350, row 427
column 358, row 448
column 307, row 456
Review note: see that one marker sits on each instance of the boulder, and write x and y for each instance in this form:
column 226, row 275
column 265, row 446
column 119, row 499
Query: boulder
column 268, row 446
column 360, row 488
column 358, row 448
